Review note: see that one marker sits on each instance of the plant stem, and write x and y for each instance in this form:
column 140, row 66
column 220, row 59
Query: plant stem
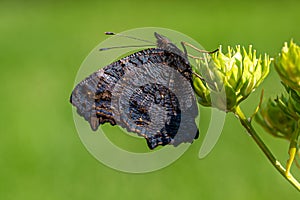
column 244, row 121
column 293, row 148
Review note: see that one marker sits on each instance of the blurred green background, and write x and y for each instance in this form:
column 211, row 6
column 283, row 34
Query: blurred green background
column 42, row 45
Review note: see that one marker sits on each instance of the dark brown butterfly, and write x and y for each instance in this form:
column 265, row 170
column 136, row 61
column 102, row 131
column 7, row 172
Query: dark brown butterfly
column 149, row 92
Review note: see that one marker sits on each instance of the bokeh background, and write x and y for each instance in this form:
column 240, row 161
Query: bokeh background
column 43, row 43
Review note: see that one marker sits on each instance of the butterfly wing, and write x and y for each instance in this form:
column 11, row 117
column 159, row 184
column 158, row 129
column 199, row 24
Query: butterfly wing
column 148, row 93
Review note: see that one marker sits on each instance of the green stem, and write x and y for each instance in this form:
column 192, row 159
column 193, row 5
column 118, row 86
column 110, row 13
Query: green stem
column 244, row 121
column 293, row 148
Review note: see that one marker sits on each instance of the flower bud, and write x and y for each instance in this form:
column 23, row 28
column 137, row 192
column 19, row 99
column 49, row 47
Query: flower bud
column 290, row 103
column 288, row 65
column 236, row 73
column 275, row 119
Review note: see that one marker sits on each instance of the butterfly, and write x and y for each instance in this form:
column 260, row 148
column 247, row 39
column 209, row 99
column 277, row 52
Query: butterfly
column 149, row 92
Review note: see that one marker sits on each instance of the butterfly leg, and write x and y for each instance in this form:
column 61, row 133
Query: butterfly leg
column 197, row 49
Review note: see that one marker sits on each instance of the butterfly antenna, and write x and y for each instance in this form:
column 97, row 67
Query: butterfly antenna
column 130, row 37
column 127, row 46
column 120, row 47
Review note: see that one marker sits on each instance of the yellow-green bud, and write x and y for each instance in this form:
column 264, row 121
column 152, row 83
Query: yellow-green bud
column 237, row 73
column 288, row 65
column 275, row 119
column 290, row 103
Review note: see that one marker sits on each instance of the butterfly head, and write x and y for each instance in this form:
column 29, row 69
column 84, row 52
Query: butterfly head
column 164, row 43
